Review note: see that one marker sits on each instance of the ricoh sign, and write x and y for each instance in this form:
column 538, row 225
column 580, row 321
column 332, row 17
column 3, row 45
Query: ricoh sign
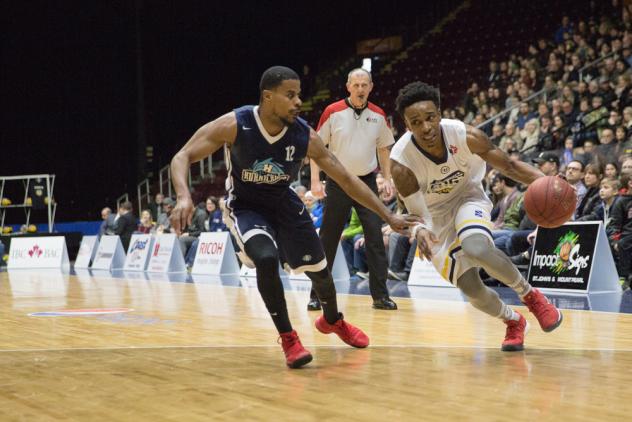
column 215, row 255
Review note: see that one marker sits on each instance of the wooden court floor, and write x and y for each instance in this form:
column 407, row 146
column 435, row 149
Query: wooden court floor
column 205, row 351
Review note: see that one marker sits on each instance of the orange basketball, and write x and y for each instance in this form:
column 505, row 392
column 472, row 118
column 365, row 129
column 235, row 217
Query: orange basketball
column 550, row 201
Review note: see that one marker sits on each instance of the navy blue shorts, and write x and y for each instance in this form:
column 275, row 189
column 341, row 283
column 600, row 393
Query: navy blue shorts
column 287, row 222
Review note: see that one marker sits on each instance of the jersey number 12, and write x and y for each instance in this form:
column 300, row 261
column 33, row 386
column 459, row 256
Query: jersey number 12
column 289, row 153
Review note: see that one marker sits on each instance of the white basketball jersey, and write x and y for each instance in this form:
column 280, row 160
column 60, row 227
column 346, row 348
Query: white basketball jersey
column 443, row 182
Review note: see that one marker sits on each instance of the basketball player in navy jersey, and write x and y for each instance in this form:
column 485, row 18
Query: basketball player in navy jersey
column 264, row 147
column 437, row 167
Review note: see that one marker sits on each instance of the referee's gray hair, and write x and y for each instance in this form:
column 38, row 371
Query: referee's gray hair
column 359, row 69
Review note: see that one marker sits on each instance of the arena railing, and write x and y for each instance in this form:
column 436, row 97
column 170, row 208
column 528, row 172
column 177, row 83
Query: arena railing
column 49, row 200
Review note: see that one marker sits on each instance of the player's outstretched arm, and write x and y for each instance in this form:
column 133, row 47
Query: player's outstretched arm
column 205, row 141
column 353, row 186
column 479, row 143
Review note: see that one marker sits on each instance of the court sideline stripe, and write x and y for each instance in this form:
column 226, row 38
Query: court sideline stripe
column 377, row 346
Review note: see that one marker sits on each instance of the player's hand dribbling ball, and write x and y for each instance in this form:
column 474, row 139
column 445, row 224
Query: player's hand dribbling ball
column 550, row 201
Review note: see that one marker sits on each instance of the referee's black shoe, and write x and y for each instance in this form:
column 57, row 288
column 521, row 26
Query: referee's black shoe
column 313, row 304
column 384, row 303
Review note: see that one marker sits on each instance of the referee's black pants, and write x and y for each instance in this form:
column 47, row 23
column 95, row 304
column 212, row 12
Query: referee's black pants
column 337, row 209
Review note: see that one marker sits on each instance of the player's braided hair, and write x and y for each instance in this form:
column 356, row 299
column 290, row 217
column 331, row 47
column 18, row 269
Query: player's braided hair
column 415, row 92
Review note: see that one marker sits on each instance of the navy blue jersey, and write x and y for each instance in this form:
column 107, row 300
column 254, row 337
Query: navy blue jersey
column 261, row 167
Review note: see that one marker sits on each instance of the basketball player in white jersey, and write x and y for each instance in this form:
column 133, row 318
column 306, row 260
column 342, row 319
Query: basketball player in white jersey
column 437, row 167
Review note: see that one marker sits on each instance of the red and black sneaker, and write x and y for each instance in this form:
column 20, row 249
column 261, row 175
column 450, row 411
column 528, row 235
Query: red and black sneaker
column 348, row 333
column 295, row 354
column 514, row 336
column 546, row 313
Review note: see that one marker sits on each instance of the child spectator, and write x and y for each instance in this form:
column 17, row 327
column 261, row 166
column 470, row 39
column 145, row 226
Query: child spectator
column 146, row 224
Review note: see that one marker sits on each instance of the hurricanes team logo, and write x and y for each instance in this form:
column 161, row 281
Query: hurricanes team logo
column 447, row 184
column 565, row 257
column 266, row 171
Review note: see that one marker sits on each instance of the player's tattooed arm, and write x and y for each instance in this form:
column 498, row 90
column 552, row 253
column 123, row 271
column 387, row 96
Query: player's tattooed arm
column 404, row 179
column 408, row 187
column 479, row 143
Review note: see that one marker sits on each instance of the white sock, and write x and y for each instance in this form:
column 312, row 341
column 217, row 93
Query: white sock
column 508, row 314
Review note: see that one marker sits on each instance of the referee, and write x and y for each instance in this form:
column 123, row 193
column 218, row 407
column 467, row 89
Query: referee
column 354, row 130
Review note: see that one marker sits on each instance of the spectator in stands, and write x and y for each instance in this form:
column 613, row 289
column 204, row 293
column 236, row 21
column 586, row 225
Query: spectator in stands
column 146, row 224
column 156, row 206
column 600, row 208
column 350, row 235
column 401, row 254
column 315, row 208
column 495, row 193
column 621, row 137
column 107, row 226
column 578, row 126
column 497, row 134
column 607, row 93
column 300, row 190
column 567, row 154
column 192, row 232
column 304, row 174
column 512, row 136
column 530, row 136
column 524, row 115
column 607, row 149
column 575, row 175
column 622, row 91
column 509, row 193
column 611, row 170
column 125, row 223
column 593, row 89
column 494, row 74
column 488, row 181
column 215, row 222
column 572, row 69
column 614, row 120
column 511, row 98
column 163, row 223
column 468, row 101
column 546, row 126
column 627, row 118
column 588, row 152
column 626, row 167
column 568, row 110
column 510, row 221
column 388, row 198
column 592, row 180
column 549, row 84
column 559, row 131
column 548, row 163
column 620, row 231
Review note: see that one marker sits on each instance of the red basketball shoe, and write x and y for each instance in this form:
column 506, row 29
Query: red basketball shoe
column 547, row 314
column 514, row 336
column 348, row 333
column 295, row 354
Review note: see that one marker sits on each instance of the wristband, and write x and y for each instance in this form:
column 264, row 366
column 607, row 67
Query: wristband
column 416, row 228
